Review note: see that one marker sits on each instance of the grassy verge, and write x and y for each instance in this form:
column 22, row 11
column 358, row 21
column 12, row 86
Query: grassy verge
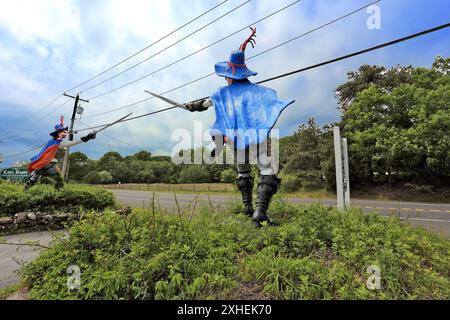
column 405, row 192
column 315, row 253
column 8, row 291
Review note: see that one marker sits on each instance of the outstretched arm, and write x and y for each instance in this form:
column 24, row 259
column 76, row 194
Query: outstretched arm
column 86, row 138
column 66, row 144
column 198, row 105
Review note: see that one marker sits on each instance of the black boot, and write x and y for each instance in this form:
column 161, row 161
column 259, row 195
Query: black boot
column 267, row 187
column 28, row 184
column 245, row 186
column 31, row 181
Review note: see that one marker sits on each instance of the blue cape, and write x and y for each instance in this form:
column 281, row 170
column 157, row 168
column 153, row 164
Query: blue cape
column 246, row 106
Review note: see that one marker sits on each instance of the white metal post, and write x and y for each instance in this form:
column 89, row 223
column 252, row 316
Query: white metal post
column 339, row 167
column 346, row 174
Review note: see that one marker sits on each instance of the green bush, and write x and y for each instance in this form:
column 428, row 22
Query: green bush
column 194, row 174
column 315, row 253
column 228, row 176
column 290, row 183
column 46, row 198
column 93, row 177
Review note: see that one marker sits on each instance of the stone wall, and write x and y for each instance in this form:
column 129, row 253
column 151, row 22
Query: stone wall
column 32, row 221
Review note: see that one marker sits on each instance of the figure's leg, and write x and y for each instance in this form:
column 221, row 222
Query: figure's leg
column 244, row 183
column 58, row 178
column 268, row 184
column 32, row 179
column 53, row 171
column 59, row 181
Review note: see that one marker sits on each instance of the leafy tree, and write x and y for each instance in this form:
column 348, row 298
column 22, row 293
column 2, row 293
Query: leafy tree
column 308, row 154
column 193, row 174
column 93, row 178
column 105, row 176
column 109, row 160
column 143, row 155
column 80, row 165
column 402, row 134
column 228, row 175
column 366, row 75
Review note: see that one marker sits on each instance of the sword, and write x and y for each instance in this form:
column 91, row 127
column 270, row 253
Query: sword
column 113, row 123
column 172, row 102
column 110, row 124
column 219, row 146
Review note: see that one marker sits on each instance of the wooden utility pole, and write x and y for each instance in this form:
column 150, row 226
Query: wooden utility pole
column 65, row 168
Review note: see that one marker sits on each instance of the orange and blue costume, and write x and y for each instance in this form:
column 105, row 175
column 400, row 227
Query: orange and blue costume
column 44, row 163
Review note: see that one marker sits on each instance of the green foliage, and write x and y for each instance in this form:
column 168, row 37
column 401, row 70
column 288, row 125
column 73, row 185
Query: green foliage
column 194, row 173
column 308, row 155
column 398, row 130
column 290, row 183
column 14, row 199
column 228, row 176
column 9, row 290
column 93, row 178
column 80, row 166
column 141, row 167
column 315, row 253
column 105, row 176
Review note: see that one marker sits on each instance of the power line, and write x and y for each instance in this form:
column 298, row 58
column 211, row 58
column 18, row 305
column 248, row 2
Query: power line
column 117, row 64
column 59, row 107
column 147, row 47
column 195, row 52
column 443, row 26
column 166, row 48
column 48, row 104
column 24, row 152
column 386, row 44
column 113, row 138
column 249, row 58
column 124, row 60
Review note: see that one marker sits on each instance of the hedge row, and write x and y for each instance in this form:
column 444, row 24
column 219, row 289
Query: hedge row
column 14, row 199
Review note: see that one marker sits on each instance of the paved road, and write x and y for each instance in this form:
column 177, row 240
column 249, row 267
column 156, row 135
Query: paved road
column 432, row 216
column 11, row 255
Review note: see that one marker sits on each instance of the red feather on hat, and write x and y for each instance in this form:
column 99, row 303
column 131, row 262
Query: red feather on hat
column 249, row 40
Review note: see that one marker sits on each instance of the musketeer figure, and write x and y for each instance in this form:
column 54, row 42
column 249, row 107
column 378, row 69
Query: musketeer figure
column 243, row 110
column 44, row 163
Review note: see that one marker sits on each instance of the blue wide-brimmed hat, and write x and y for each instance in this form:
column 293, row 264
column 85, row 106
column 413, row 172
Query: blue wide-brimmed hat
column 58, row 128
column 236, row 68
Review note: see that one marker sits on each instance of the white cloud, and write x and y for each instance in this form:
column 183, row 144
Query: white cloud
column 49, row 20
column 47, row 46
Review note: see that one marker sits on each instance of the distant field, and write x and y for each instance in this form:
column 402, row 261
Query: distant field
column 195, row 187
column 386, row 193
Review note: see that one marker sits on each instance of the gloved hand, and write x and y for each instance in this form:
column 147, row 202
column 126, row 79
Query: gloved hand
column 219, row 145
column 198, row 105
column 88, row 137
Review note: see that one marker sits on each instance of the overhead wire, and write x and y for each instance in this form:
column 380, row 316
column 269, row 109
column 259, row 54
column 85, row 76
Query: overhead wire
column 122, row 61
column 147, row 47
column 249, row 58
column 383, row 45
column 113, row 138
column 166, row 48
column 195, row 52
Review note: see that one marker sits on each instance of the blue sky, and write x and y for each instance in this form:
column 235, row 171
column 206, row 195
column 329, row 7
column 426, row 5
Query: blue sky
column 49, row 46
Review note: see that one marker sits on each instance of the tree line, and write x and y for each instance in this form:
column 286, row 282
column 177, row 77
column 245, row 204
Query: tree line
column 396, row 120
